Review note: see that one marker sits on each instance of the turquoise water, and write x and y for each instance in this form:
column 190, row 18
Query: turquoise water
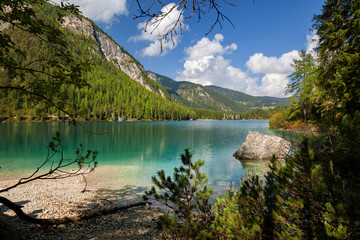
column 137, row 149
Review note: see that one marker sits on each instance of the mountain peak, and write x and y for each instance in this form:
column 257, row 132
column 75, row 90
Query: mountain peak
column 112, row 51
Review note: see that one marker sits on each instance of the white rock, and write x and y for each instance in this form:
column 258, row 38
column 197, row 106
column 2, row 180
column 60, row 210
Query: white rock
column 258, row 146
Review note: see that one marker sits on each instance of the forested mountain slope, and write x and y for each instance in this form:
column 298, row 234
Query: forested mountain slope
column 118, row 88
column 118, row 85
column 248, row 100
column 212, row 97
column 111, row 50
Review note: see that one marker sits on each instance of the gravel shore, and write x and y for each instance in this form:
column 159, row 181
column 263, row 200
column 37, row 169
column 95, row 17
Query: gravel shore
column 64, row 198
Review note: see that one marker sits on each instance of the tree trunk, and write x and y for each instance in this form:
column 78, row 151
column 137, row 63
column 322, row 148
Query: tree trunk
column 305, row 114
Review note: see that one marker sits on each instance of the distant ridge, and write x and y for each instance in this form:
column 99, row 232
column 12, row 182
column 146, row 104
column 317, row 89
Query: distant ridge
column 212, row 97
column 251, row 101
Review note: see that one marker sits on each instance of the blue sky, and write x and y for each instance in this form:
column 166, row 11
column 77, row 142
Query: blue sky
column 254, row 57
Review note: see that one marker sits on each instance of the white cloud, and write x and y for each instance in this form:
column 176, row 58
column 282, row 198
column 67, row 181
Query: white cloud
column 258, row 63
column 214, row 70
column 272, row 84
column 275, row 71
column 312, row 42
column 205, row 47
column 206, row 65
column 153, row 31
column 102, row 11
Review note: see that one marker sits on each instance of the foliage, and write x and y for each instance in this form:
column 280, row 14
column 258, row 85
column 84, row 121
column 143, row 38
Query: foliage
column 326, row 86
column 301, row 198
column 303, row 85
column 305, row 106
column 109, row 94
column 339, row 57
column 28, row 75
column 187, row 196
column 36, row 63
column 238, row 214
column 295, row 202
column 279, row 119
column 315, row 193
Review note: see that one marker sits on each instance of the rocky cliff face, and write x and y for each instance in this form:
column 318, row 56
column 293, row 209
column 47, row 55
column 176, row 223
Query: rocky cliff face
column 110, row 50
column 152, row 76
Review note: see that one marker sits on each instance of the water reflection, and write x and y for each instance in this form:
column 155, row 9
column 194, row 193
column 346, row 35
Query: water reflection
column 255, row 167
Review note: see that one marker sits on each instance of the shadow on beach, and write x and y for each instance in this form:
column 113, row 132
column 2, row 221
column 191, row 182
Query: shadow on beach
column 134, row 223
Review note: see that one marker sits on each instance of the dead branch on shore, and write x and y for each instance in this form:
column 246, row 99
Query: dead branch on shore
column 57, row 221
column 59, row 168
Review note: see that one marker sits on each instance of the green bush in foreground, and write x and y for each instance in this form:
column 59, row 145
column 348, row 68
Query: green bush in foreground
column 237, row 215
column 301, row 198
column 187, row 196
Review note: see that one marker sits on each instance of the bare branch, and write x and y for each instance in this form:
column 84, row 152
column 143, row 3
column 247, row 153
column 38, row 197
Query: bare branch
column 57, row 221
column 85, row 163
column 187, row 10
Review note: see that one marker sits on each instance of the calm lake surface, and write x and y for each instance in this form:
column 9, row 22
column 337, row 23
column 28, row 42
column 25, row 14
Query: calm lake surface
column 133, row 151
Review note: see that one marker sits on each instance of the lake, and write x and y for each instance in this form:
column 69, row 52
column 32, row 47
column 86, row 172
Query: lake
column 132, row 152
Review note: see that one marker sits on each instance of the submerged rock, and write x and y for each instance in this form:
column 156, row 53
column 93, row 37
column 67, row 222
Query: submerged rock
column 263, row 147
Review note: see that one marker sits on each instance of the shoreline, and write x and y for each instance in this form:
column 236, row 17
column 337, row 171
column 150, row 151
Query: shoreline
column 131, row 120
column 104, row 176
column 64, row 198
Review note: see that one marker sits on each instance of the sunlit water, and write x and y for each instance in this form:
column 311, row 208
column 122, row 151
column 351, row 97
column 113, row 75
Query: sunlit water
column 132, row 152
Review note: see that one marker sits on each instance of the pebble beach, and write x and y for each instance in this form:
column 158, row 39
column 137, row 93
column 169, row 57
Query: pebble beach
column 65, row 198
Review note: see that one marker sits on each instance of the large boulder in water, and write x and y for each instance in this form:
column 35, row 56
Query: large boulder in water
column 263, row 147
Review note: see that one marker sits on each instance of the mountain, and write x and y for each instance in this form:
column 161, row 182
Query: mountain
column 195, row 95
column 212, row 97
column 111, row 50
column 119, row 88
column 248, row 100
column 118, row 85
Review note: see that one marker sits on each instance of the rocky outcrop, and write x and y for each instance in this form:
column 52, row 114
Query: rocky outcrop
column 110, row 50
column 79, row 26
column 263, row 147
